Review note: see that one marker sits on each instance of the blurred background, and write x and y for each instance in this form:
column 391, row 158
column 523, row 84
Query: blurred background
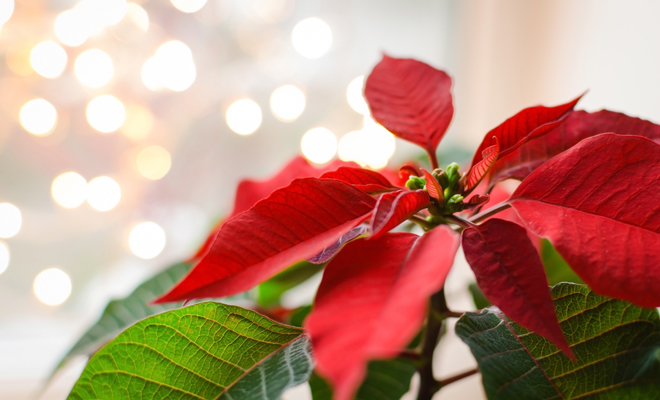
column 125, row 127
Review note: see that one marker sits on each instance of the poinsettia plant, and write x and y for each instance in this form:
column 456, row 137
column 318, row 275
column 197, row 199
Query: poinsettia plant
column 590, row 186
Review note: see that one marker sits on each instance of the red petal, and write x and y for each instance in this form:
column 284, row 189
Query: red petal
column 411, row 99
column 528, row 124
column 364, row 179
column 433, row 187
column 577, row 126
column 511, row 275
column 597, row 203
column 395, row 207
column 406, row 171
column 372, row 301
column 293, row 223
column 480, row 169
column 476, row 201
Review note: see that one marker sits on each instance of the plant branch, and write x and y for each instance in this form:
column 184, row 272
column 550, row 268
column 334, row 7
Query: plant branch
column 428, row 385
column 434, row 160
column 410, row 355
column 422, row 222
column 489, row 213
column 463, row 223
column 458, row 377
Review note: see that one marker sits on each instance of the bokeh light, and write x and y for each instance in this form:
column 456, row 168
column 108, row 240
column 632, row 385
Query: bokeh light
column 188, row 6
column 319, row 145
column 139, row 122
column 11, row 220
column 106, row 113
column 311, row 38
column 172, row 67
column 355, row 97
column 153, row 162
column 17, row 58
column 48, row 59
column 69, row 190
column 52, row 286
column 6, row 10
column 371, row 146
column 73, row 27
column 103, row 193
column 139, row 16
column 4, row 257
column 147, row 240
column 287, row 103
column 38, row 117
column 94, row 68
column 103, row 12
column 244, row 116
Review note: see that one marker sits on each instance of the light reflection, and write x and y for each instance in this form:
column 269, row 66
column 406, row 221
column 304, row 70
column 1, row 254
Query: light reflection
column 311, row 38
column 371, row 146
column 147, row 240
column 48, row 59
column 69, row 190
column 355, row 97
column 287, row 103
column 103, row 12
column 244, row 116
column 319, row 145
column 103, row 193
column 154, row 162
column 52, row 286
column 139, row 16
column 106, row 113
column 172, row 67
column 38, row 117
column 138, row 124
column 73, row 27
column 188, row 6
column 11, row 220
column 6, row 10
column 4, row 257
column 94, row 68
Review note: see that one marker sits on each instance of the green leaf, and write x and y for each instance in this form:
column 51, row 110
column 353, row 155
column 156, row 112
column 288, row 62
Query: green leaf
column 205, row 351
column 556, row 268
column 480, row 301
column 617, row 346
column 385, row 380
column 272, row 290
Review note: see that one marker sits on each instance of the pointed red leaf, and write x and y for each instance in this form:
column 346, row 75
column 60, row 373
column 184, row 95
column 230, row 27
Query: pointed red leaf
column 372, row 301
column 293, row 223
column 528, row 124
column 577, row 126
column 364, row 179
column 433, row 187
column 395, row 207
column 511, row 275
column 411, row 99
column 599, row 205
column 406, row 171
column 476, row 201
column 481, row 169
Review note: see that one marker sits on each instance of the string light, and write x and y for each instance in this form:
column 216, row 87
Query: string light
column 6, row 10
column 139, row 16
column 311, row 38
column 106, row 113
column 188, row 6
column 48, row 59
column 354, row 96
column 244, row 116
column 38, row 117
column 138, row 124
column 147, row 240
column 287, row 103
column 153, row 162
column 69, row 190
column 73, row 27
column 319, row 145
column 103, row 193
column 52, row 286
column 11, row 220
column 94, row 68
column 4, row 257
column 172, row 67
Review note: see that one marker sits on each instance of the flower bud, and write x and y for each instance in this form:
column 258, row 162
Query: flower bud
column 415, row 183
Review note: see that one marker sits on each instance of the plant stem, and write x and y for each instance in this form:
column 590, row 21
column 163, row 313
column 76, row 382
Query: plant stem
column 463, row 223
column 428, row 385
column 490, row 212
column 422, row 222
column 434, row 160
column 458, row 377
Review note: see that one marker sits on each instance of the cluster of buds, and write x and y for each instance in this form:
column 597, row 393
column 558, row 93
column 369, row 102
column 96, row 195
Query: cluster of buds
column 444, row 187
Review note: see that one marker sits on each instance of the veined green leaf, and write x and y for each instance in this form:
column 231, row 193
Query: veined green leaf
column 385, row 380
column 617, row 346
column 205, row 351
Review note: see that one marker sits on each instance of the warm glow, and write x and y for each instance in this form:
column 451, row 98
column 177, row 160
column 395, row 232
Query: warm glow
column 188, row 6
column 312, row 38
column 103, row 193
column 73, row 27
column 139, row 16
column 244, row 116
column 147, row 240
column 48, row 59
column 52, row 286
column 4, row 257
column 138, row 124
column 11, row 220
column 319, row 145
column 355, row 97
column 154, row 162
column 105, row 113
column 6, row 10
column 38, row 117
column 69, row 190
column 104, row 12
column 94, row 68
column 371, row 146
column 347, row 148
column 18, row 59
column 172, row 67
column 287, row 103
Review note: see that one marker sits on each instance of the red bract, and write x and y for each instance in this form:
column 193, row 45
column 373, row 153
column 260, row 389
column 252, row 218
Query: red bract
column 293, row 223
column 433, row 187
column 412, row 100
column 577, row 126
column 396, row 207
column 478, row 171
column 511, row 275
column 366, row 180
column 597, row 203
column 372, row 301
